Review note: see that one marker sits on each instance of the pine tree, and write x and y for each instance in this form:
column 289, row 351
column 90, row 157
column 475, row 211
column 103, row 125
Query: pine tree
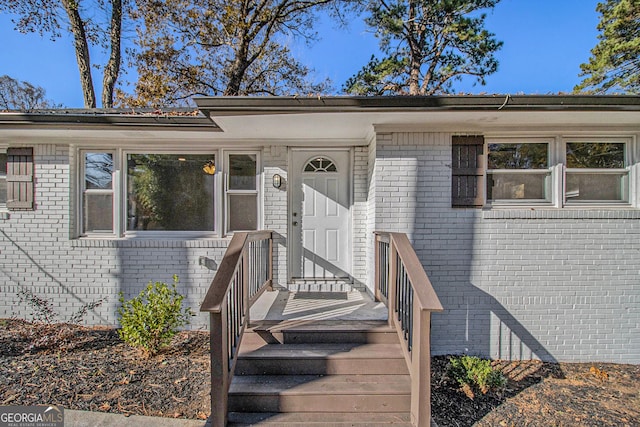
column 428, row 45
column 614, row 65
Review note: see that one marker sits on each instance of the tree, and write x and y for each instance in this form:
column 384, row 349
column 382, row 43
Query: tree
column 217, row 47
column 614, row 64
column 17, row 95
column 54, row 16
column 428, row 45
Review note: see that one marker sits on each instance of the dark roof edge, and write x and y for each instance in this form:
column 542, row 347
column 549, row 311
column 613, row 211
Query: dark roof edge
column 109, row 118
column 220, row 106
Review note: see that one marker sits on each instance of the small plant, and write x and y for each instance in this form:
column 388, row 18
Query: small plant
column 42, row 309
column 151, row 319
column 474, row 373
column 600, row 374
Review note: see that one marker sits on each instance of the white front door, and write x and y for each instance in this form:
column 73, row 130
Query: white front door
column 319, row 217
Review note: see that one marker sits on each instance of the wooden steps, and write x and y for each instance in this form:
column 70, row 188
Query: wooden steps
column 320, row 373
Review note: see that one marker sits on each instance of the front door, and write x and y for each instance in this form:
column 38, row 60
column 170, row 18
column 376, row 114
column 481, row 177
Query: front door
column 319, row 217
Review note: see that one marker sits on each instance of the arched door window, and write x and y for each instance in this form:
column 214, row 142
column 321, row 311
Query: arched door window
column 320, row 164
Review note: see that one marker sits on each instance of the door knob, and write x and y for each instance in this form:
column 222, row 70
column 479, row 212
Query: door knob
column 295, row 223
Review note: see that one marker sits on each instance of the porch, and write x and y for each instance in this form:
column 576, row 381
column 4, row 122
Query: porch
column 330, row 358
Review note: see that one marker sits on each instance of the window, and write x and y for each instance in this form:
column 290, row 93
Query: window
column 596, row 172
column 167, row 193
column 3, row 180
column 97, row 192
column 554, row 172
column 170, row 192
column 321, row 164
column 242, row 191
column 518, row 172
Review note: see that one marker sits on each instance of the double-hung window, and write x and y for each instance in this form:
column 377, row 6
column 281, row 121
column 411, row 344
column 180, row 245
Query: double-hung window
column 555, row 172
column 241, row 190
column 518, row 172
column 596, row 172
column 3, row 180
column 97, row 186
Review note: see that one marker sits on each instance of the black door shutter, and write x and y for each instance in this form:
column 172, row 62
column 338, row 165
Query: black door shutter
column 20, row 178
column 467, row 171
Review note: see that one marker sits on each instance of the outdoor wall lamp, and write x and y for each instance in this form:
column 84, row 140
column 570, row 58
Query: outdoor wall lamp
column 277, row 181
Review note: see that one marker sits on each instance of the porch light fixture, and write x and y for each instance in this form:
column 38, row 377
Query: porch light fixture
column 277, row 181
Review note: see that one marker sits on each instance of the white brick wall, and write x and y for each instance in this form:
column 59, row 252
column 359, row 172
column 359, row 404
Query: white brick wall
column 557, row 285
column 275, row 160
column 37, row 254
column 359, row 215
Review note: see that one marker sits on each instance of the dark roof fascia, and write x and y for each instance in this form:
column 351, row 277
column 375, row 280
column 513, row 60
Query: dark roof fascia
column 108, row 119
column 223, row 106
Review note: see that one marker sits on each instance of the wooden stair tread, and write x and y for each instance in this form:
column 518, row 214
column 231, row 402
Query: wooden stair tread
column 321, row 385
column 324, row 351
column 317, row 419
column 323, row 326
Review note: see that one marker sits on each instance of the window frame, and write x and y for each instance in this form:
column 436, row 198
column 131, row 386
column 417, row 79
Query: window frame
column 626, row 170
column 3, row 176
column 170, row 234
column 230, row 192
column 120, row 191
column 548, row 171
column 82, row 190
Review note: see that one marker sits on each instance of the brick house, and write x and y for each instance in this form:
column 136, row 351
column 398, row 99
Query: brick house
column 524, row 210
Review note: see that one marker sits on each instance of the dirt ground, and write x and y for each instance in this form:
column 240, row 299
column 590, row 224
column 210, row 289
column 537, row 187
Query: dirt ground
column 92, row 369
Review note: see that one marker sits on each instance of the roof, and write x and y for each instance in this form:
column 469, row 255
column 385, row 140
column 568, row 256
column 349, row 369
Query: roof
column 333, row 120
column 93, row 117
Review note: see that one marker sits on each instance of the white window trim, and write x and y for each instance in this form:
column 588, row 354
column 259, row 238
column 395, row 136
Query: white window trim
column 120, row 193
column 628, row 163
column 3, row 176
column 227, row 191
column 159, row 234
column 557, row 162
column 82, row 190
column 551, row 158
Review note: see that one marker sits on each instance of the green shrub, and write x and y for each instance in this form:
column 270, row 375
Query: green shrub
column 151, row 319
column 473, row 373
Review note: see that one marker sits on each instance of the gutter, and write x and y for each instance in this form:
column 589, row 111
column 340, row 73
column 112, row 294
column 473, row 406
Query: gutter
column 101, row 119
column 227, row 106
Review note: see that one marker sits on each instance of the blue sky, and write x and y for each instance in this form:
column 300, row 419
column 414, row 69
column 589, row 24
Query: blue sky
column 545, row 41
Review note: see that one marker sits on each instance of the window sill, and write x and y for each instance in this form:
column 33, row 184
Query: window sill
column 155, row 242
column 566, row 213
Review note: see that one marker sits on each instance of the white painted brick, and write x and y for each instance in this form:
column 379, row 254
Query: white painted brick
column 535, row 279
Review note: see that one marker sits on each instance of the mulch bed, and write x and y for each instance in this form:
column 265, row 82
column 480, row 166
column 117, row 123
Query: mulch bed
column 543, row 394
column 92, row 369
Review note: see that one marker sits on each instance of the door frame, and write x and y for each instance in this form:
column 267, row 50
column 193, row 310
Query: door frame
column 295, row 175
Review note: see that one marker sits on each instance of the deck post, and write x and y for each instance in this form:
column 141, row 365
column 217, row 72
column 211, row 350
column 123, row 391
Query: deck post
column 392, row 298
column 376, row 274
column 270, row 266
column 421, row 367
column 219, row 367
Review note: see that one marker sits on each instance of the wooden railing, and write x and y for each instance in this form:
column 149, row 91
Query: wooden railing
column 243, row 274
column 402, row 284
